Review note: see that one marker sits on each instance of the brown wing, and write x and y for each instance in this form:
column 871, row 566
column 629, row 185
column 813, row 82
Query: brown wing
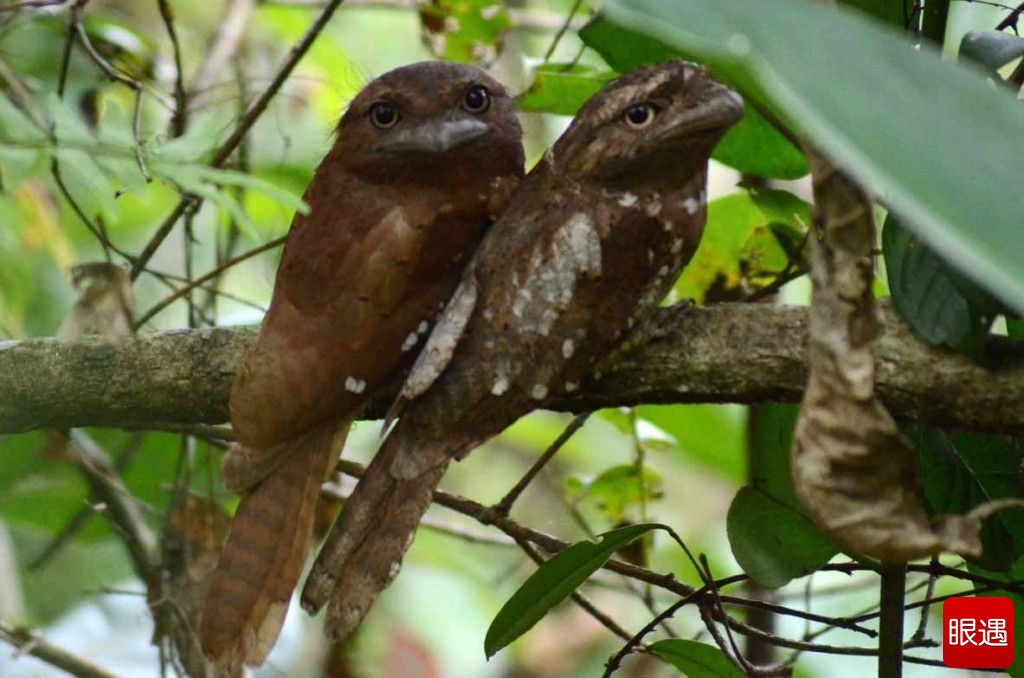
column 357, row 280
column 559, row 281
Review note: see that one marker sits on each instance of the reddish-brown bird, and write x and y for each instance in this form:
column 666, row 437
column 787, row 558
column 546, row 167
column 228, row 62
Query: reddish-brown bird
column 594, row 239
column 426, row 157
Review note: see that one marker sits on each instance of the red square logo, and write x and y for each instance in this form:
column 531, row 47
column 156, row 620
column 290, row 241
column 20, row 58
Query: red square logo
column 977, row 633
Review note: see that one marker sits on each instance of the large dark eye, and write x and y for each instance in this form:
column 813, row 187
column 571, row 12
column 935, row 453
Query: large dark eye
column 477, row 100
column 383, row 115
column 638, row 116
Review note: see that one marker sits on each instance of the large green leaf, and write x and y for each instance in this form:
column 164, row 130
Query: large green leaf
column 888, row 11
column 962, row 470
column 711, row 435
column 554, row 581
column 927, row 293
column 933, row 140
column 753, row 146
column 769, row 532
column 562, row 88
column 696, row 660
column 745, row 244
column 772, row 542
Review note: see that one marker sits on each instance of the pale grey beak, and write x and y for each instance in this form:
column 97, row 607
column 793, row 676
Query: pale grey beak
column 435, row 136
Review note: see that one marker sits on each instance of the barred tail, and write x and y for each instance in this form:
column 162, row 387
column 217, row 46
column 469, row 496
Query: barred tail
column 264, row 554
column 363, row 552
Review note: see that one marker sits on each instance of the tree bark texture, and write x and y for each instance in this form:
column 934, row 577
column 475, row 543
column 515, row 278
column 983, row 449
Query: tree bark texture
column 740, row 353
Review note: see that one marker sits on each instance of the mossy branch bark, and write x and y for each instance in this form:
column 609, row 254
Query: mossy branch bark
column 741, row 353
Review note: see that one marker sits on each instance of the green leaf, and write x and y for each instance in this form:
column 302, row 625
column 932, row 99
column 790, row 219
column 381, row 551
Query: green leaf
column 17, row 127
column 960, row 471
column 88, row 183
column 69, row 126
column 926, row 292
column 465, row 30
column 753, row 146
column 126, row 49
column 619, row 418
column 922, row 134
column 35, row 490
column 562, row 88
column 772, row 542
column 741, row 248
column 696, row 660
column 190, row 178
column 18, row 164
column 888, row 11
column 711, row 435
column 620, row 488
column 771, row 536
column 991, row 49
column 198, row 141
column 252, row 182
column 554, row 581
column 770, row 434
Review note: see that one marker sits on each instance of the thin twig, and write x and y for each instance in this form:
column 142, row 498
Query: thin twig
column 189, row 204
column 81, row 519
column 504, row 506
column 937, row 569
column 736, row 655
column 62, row 80
column 30, row 4
column 615, row 660
column 1011, row 20
column 791, row 644
column 230, row 30
column 486, row 516
column 561, row 30
column 179, row 121
column 203, row 279
column 113, row 74
column 122, row 506
column 922, row 625
column 30, row 643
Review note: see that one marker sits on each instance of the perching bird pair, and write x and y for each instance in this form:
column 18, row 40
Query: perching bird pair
column 421, row 206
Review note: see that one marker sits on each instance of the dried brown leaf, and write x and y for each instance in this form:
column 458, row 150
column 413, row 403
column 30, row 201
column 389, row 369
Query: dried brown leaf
column 851, row 466
column 105, row 304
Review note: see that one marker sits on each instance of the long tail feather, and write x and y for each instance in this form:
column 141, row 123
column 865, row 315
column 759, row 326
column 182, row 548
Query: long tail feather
column 264, row 554
column 364, row 550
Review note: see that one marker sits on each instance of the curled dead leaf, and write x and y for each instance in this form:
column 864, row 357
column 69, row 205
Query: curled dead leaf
column 105, row 304
column 851, row 466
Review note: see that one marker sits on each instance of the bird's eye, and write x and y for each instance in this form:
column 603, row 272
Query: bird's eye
column 383, row 115
column 638, row 116
column 477, row 100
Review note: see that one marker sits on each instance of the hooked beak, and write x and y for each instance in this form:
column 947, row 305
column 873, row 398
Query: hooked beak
column 721, row 109
column 435, row 136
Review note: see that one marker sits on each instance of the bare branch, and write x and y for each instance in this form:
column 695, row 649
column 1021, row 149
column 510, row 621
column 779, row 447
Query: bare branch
column 189, row 204
column 29, row 643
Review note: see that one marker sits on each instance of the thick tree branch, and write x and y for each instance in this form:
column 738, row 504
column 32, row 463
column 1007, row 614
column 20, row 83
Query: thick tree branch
column 726, row 353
